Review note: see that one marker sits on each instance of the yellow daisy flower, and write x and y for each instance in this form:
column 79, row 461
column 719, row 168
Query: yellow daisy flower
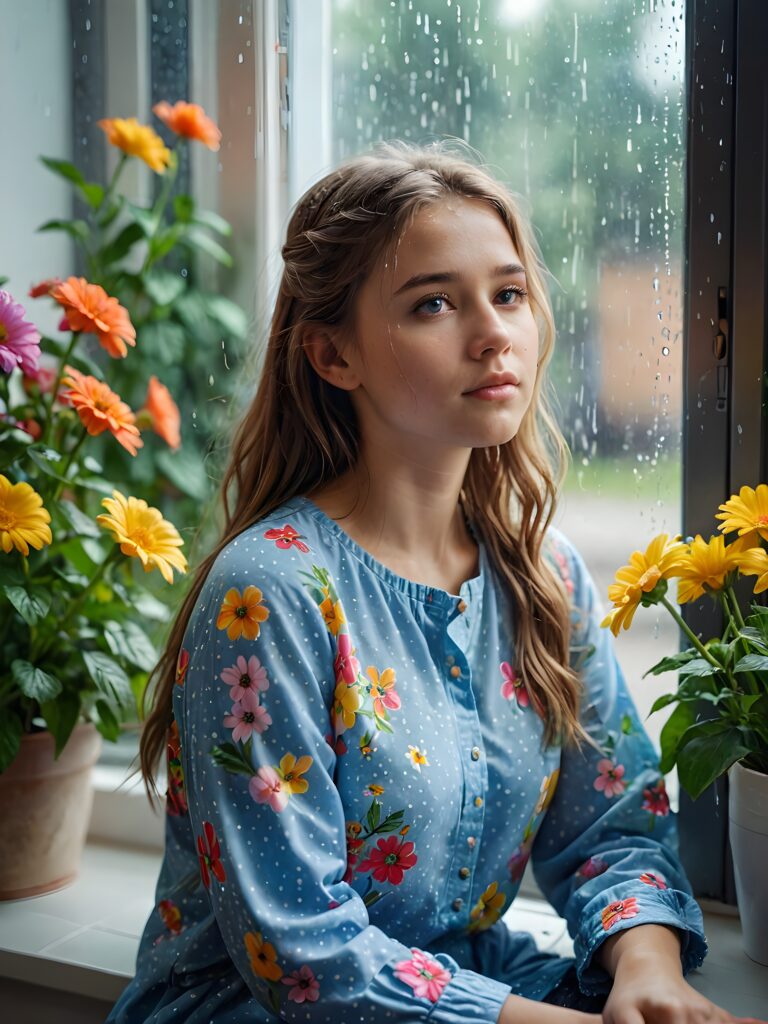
column 705, row 566
column 746, row 512
column 242, row 614
column 137, row 140
column 142, row 533
column 333, row 614
column 23, row 520
column 487, row 910
column 659, row 561
column 346, row 703
column 291, row 770
column 547, row 791
column 755, row 563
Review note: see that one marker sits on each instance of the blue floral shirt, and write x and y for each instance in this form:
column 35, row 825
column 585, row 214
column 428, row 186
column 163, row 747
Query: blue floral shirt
column 356, row 783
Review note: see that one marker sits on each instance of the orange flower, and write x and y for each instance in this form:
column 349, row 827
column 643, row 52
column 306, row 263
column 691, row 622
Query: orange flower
column 44, row 287
column 189, row 120
column 100, row 409
column 263, row 957
column 241, row 615
column 89, row 309
column 161, row 413
column 136, row 139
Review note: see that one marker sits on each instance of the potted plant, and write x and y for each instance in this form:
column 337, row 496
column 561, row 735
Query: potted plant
column 79, row 619
column 720, row 721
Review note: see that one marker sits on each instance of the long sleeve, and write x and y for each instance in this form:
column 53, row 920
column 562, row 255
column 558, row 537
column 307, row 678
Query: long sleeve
column 606, row 853
column 263, row 692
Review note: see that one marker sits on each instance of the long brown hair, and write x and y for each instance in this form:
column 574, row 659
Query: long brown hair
column 301, row 432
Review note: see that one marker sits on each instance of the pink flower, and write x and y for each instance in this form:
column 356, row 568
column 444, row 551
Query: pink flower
column 592, row 868
column 346, row 666
column 19, row 340
column 609, row 781
column 655, row 799
column 391, row 858
column 266, row 787
column 247, row 716
column 286, row 538
column 512, row 685
column 618, row 911
column 517, row 862
column 305, row 985
column 245, row 675
column 653, row 879
column 426, row 977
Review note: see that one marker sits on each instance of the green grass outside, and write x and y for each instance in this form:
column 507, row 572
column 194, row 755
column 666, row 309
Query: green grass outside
column 626, row 478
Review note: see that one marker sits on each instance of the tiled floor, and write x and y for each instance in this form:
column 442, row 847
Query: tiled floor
column 84, row 938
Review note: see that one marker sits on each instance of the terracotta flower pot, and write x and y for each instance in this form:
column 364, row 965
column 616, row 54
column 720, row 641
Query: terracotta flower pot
column 45, row 806
column 748, row 830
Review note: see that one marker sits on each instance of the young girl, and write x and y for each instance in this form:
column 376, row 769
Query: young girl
column 388, row 686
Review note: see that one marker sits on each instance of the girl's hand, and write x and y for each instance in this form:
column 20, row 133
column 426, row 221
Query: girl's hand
column 650, row 993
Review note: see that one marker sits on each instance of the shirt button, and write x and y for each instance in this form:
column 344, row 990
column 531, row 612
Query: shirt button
column 475, row 753
column 457, row 904
column 462, row 606
column 478, row 801
column 455, row 671
column 471, row 842
column 463, row 872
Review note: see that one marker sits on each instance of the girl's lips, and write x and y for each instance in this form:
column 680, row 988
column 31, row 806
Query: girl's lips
column 499, row 391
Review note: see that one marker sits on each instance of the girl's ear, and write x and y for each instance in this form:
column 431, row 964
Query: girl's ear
column 322, row 346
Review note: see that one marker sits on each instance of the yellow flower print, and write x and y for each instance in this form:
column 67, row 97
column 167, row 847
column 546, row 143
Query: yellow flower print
column 346, row 703
column 547, row 791
column 291, row 770
column 262, row 956
column 487, row 910
column 333, row 614
column 417, row 757
column 241, row 615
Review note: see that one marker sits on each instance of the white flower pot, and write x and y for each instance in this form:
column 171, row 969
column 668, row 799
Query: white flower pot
column 748, row 830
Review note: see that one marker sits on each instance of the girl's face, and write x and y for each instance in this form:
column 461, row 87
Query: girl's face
column 433, row 324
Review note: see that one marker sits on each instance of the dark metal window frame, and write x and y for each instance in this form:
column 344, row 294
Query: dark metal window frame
column 725, row 326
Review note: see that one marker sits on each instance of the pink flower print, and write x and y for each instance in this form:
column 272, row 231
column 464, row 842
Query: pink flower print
column 653, row 879
column 517, row 862
column 609, row 782
column 655, row 799
column 390, row 860
column 562, row 563
column 426, row 977
column 266, row 787
column 346, row 666
column 286, row 538
column 245, row 675
column 592, row 868
column 618, row 911
column 247, row 716
column 512, row 685
column 305, row 984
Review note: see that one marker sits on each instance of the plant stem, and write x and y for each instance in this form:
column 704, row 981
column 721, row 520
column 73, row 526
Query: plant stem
column 55, row 388
column 159, row 208
column 79, row 600
column 690, row 634
column 735, row 606
column 62, row 483
column 113, row 181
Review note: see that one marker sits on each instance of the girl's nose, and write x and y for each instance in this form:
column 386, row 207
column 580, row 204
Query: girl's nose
column 488, row 330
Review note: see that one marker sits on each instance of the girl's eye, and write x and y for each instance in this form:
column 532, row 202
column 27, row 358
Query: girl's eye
column 514, row 290
column 434, row 303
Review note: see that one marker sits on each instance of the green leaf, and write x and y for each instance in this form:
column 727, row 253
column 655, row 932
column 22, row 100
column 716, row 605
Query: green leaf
column 33, row 682
column 129, row 641
column 32, row 604
column 755, row 636
column 752, row 663
column 186, row 471
column 671, row 663
column 122, row 244
column 664, row 701
column 681, row 719
column 626, row 725
column 163, row 340
column 392, row 823
column 229, row 315
column 143, row 217
column 109, row 677
column 150, row 607
column 229, row 757
column 93, row 194
column 373, row 816
column 64, row 169
column 10, row 738
column 45, row 458
column 699, row 667
column 106, row 721
column 164, row 287
column 76, row 228
column 705, row 758
column 183, row 208
column 204, row 243
column 164, row 241
column 61, row 717
column 78, row 520
column 13, row 446
column 209, row 219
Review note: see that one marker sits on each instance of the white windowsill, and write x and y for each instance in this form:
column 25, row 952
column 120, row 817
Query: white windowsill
column 83, row 939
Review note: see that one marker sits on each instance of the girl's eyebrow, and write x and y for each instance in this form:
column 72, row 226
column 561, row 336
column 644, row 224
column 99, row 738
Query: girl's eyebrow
column 446, row 276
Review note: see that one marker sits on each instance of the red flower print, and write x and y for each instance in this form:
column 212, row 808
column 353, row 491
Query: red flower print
column 346, row 666
column 651, row 879
column 609, row 781
column 391, row 858
column 592, row 868
column 655, row 799
column 618, row 911
column 305, row 985
column 286, row 538
column 209, row 853
column 512, row 685
column 182, row 664
column 338, row 746
column 426, row 977
column 171, row 916
column 176, row 798
column 517, row 862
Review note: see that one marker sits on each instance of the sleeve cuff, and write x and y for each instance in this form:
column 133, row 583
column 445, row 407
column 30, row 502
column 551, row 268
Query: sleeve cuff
column 626, row 906
column 470, row 997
